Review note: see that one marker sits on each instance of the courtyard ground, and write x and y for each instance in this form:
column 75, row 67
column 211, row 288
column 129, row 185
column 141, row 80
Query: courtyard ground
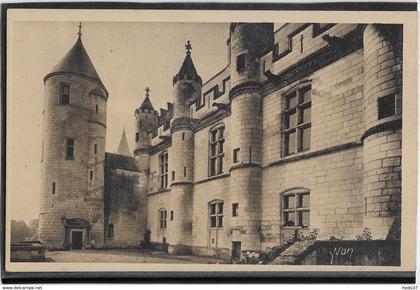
column 126, row 256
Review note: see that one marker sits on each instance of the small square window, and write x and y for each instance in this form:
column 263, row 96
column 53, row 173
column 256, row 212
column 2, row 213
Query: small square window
column 289, row 219
column 386, row 106
column 240, row 62
column 235, row 209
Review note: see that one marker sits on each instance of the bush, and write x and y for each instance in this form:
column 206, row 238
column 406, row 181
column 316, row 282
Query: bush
column 365, row 236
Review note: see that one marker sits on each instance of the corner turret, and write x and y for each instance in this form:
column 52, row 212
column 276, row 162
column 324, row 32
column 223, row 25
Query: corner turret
column 146, row 120
column 187, row 86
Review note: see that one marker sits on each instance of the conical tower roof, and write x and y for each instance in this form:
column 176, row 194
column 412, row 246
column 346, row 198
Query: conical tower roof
column 77, row 62
column 123, row 147
column 187, row 70
column 147, row 104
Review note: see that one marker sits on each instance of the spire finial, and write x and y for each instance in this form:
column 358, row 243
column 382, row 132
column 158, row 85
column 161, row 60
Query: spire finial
column 80, row 29
column 188, row 47
column 147, row 91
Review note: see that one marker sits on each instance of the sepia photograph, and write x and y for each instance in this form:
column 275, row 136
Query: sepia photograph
column 151, row 138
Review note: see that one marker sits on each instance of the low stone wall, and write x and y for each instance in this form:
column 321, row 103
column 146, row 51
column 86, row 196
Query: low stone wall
column 27, row 252
column 364, row 253
column 222, row 253
column 339, row 252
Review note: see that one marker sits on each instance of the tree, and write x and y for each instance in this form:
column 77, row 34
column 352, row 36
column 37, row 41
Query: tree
column 19, row 231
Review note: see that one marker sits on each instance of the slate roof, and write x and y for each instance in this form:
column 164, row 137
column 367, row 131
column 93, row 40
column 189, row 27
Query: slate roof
column 117, row 161
column 147, row 104
column 78, row 62
column 188, row 69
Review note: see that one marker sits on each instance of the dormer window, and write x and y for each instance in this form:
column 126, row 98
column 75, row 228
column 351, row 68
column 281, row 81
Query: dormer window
column 64, row 94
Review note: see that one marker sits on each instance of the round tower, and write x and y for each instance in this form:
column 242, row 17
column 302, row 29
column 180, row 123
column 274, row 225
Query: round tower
column 249, row 42
column 73, row 150
column 187, row 89
column 383, row 120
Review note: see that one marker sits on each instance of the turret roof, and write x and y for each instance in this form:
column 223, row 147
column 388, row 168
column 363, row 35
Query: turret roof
column 187, row 68
column 147, row 104
column 77, row 61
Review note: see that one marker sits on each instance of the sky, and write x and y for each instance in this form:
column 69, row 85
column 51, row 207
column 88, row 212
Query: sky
column 127, row 56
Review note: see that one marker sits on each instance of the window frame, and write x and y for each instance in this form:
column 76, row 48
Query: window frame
column 70, row 149
column 217, row 215
column 235, row 209
column 241, row 62
column 387, row 108
column 295, row 114
column 163, row 218
column 216, row 160
column 298, row 209
column 163, row 170
column 64, row 99
column 110, row 231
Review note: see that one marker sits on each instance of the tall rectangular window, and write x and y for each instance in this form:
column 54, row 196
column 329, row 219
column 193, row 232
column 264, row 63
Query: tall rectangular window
column 297, row 121
column 64, row 94
column 162, row 218
column 236, row 155
column 235, row 209
column 163, row 170
column 95, row 150
column 217, row 140
column 216, row 214
column 91, row 174
column 240, row 62
column 97, row 108
column 53, row 188
column 110, row 231
column 137, row 137
column 70, row 149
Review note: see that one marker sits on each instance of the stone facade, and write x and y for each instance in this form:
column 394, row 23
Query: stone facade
column 300, row 131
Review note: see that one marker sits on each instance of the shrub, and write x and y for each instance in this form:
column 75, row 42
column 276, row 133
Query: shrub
column 365, row 236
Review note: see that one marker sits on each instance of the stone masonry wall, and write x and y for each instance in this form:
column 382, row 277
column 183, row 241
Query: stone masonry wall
column 124, row 208
column 155, row 202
